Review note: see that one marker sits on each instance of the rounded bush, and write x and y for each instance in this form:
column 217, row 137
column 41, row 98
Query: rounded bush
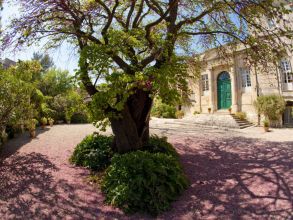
column 93, row 152
column 241, row 115
column 160, row 145
column 141, row 181
column 179, row 114
column 163, row 110
column 79, row 118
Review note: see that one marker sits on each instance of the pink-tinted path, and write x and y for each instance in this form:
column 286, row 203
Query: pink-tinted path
column 231, row 177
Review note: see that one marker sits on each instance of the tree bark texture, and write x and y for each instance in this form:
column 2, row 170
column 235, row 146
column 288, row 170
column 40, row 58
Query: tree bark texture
column 131, row 131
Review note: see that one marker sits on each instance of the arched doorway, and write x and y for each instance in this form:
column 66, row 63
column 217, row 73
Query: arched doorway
column 224, row 90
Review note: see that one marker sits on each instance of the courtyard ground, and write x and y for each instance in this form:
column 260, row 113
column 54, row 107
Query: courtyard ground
column 234, row 174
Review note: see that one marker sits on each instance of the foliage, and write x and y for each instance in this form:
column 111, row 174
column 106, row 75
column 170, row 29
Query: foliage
column 14, row 97
column 44, row 59
column 28, row 91
column 241, row 115
column 158, row 144
column 59, row 104
column 163, row 110
column 266, row 123
column 67, row 105
column 44, row 121
column 80, row 118
column 31, row 124
column 143, row 182
column 51, row 121
column 179, row 114
column 196, row 112
column 55, row 82
column 68, row 116
column 93, row 152
column 28, row 71
column 271, row 106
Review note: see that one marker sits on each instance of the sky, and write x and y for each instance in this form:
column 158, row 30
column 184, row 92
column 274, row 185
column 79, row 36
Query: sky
column 64, row 57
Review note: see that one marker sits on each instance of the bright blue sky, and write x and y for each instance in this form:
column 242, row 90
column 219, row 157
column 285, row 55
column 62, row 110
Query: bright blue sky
column 64, row 57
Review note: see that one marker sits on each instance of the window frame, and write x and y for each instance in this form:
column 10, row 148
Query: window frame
column 286, row 71
column 245, row 77
column 205, row 83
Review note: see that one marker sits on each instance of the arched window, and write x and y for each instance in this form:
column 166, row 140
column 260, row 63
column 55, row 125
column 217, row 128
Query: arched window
column 224, row 76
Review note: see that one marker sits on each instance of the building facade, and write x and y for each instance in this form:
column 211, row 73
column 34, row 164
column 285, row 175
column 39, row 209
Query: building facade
column 232, row 83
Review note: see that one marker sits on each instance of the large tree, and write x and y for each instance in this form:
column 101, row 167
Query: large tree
column 129, row 49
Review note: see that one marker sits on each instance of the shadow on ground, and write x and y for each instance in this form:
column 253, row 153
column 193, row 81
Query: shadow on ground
column 16, row 143
column 28, row 190
column 236, row 178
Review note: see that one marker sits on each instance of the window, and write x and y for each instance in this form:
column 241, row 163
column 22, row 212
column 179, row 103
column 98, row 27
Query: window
column 245, row 77
column 286, row 70
column 205, row 82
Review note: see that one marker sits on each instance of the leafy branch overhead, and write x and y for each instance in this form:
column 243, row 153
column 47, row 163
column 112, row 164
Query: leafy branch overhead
column 140, row 33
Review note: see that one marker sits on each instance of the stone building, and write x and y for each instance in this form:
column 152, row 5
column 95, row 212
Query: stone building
column 231, row 83
column 6, row 63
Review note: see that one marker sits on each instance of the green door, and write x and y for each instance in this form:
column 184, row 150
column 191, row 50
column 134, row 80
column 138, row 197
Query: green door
column 224, row 91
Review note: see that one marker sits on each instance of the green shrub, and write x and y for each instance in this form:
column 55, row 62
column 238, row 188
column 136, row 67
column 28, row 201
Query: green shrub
column 44, row 121
column 31, row 124
column 266, row 123
column 160, row 145
column 179, row 114
column 51, row 121
column 143, row 182
column 79, row 118
column 241, row 115
column 271, row 106
column 93, row 152
column 162, row 110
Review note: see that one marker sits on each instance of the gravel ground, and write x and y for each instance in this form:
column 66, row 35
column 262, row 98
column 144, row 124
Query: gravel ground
column 233, row 175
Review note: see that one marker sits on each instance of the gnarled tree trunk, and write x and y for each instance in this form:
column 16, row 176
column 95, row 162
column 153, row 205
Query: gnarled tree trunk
column 132, row 129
